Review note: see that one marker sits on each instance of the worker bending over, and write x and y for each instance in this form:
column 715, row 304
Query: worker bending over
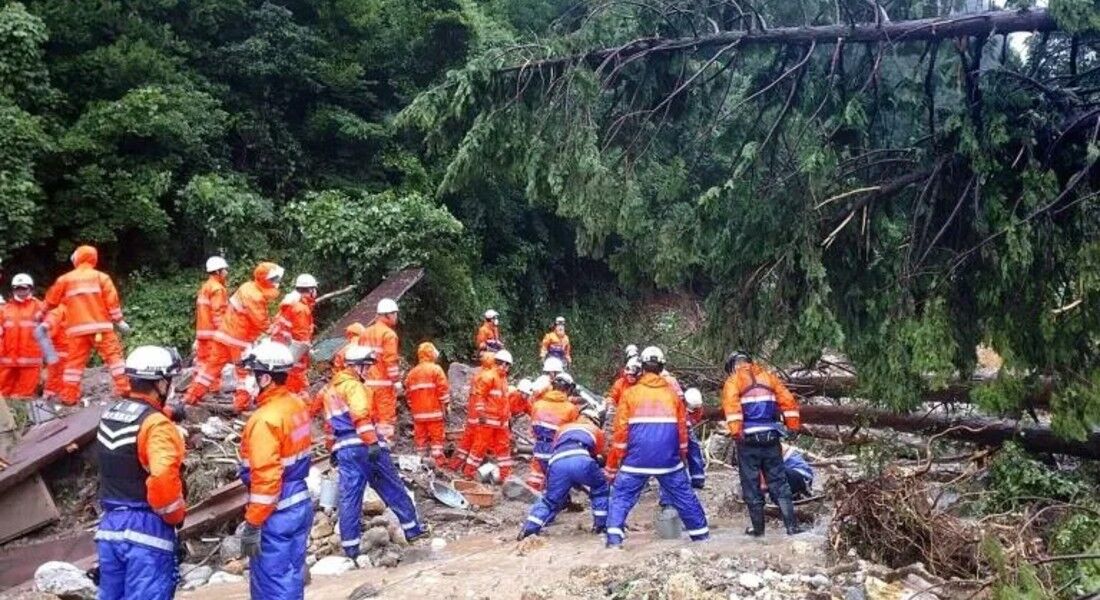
column 429, row 394
column 548, row 414
column 381, row 337
column 650, row 439
column 139, row 453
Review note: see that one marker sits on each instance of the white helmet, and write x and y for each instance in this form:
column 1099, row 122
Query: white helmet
column 305, row 280
column 693, row 398
column 563, row 381
column 153, row 363
column 386, row 306
column 559, row 321
column 491, row 314
column 552, row 364
column 503, row 356
column 633, row 366
column 268, row 357
column 276, row 274
column 525, row 386
column 216, row 263
column 22, row 280
column 652, row 355
column 631, row 351
column 360, row 355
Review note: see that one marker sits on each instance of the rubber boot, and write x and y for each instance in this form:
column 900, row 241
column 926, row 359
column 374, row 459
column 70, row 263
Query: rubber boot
column 790, row 519
column 756, row 520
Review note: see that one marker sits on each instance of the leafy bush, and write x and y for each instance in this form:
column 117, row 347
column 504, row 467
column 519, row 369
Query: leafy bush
column 1015, row 479
column 227, row 215
column 161, row 309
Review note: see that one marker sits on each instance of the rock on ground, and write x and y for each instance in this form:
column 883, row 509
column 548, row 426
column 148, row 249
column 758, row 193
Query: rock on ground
column 223, row 577
column 196, row 574
column 65, row 581
column 376, row 537
column 516, row 490
column 750, row 581
column 332, row 565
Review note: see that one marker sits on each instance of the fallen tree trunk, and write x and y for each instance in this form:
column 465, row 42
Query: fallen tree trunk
column 847, row 386
column 941, row 28
column 974, row 430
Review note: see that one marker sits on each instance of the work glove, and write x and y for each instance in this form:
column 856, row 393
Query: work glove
column 373, row 451
column 250, row 540
column 175, row 410
column 123, row 328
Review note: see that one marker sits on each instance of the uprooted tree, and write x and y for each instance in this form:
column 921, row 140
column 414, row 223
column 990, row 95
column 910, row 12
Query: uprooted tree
column 894, row 179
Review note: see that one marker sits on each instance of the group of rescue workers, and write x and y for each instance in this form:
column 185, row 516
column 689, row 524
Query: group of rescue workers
column 140, row 445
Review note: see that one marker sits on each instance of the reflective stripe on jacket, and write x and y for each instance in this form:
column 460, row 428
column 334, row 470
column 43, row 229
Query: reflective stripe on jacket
column 754, row 400
column 427, row 391
column 348, row 407
column 275, row 451
column 18, row 319
column 650, row 433
column 90, row 297
column 210, row 307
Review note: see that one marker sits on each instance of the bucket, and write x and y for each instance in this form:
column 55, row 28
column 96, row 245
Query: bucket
column 667, row 524
column 330, row 492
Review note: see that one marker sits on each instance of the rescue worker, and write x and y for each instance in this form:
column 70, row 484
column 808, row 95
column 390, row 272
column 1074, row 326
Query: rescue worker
column 462, row 449
column 210, row 307
column 556, row 343
column 488, row 335
column 352, row 333
column 275, row 449
column 755, row 402
column 697, row 466
column 627, row 377
column 140, row 453
column 548, row 414
column 20, row 356
column 52, row 329
column 551, row 367
column 294, row 327
column 360, row 453
column 429, row 395
column 800, row 475
column 492, row 434
column 92, row 312
column 575, row 462
column 650, row 439
column 519, row 398
column 245, row 320
column 631, row 351
column 381, row 337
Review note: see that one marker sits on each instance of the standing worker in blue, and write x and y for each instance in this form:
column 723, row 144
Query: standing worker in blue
column 140, row 452
column 650, row 439
column 275, row 450
column 757, row 406
column 696, row 465
column 575, row 462
column 360, row 451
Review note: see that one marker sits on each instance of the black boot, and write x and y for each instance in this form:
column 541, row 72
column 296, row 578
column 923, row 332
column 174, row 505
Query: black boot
column 790, row 519
column 756, row 520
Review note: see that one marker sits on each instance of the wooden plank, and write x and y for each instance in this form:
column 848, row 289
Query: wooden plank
column 45, row 443
column 17, row 565
column 26, row 507
column 395, row 286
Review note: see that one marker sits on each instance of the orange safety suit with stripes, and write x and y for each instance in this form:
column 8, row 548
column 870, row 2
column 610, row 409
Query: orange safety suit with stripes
column 462, row 448
column 548, row 415
column 491, row 434
column 275, row 450
column 294, row 325
column 428, row 394
column 556, row 344
column 488, row 337
column 622, row 383
column 383, row 374
column 755, row 400
column 653, row 412
column 92, row 307
column 352, row 333
column 55, row 325
column 210, row 307
column 20, row 356
column 348, row 411
column 246, row 318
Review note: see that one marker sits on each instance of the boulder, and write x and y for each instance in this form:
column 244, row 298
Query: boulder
column 64, row 580
column 516, row 490
column 332, row 565
column 234, row 567
column 198, row 574
column 376, row 537
column 379, row 521
column 389, row 560
column 362, row 561
column 372, row 503
column 223, row 577
column 750, row 581
column 230, row 548
column 322, row 528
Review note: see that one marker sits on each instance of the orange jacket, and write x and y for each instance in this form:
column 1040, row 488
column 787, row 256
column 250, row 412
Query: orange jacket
column 295, row 320
column 489, row 397
column 427, row 389
column 351, row 334
column 348, row 407
column 615, row 395
column 160, row 448
column 652, row 410
column 519, row 404
column 54, row 320
column 17, row 322
column 210, row 307
column 90, row 297
column 276, row 438
column 581, row 430
column 557, row 345
column 550, row 412
column 247, row 317
column 488, row 332
column 383, row 339
column 771, row 399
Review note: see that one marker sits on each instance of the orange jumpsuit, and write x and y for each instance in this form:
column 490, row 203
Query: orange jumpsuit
column 92, row 308
column 245, row 320
column 488, row 338
column 20, row 356
column 295, row 324
column 462, row 449
column 383, row 374
column 55, row 325
column 548, row 415
column 492, row 435
column 622, row 382
column 210, row 307
column 352, row 333
column 428, row 394
column 554, row 344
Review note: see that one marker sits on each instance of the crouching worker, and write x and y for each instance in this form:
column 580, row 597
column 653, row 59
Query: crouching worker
column 140, row 453
column 575, row 462
column 800, row 475
column 360, row 453
column 274, row 463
